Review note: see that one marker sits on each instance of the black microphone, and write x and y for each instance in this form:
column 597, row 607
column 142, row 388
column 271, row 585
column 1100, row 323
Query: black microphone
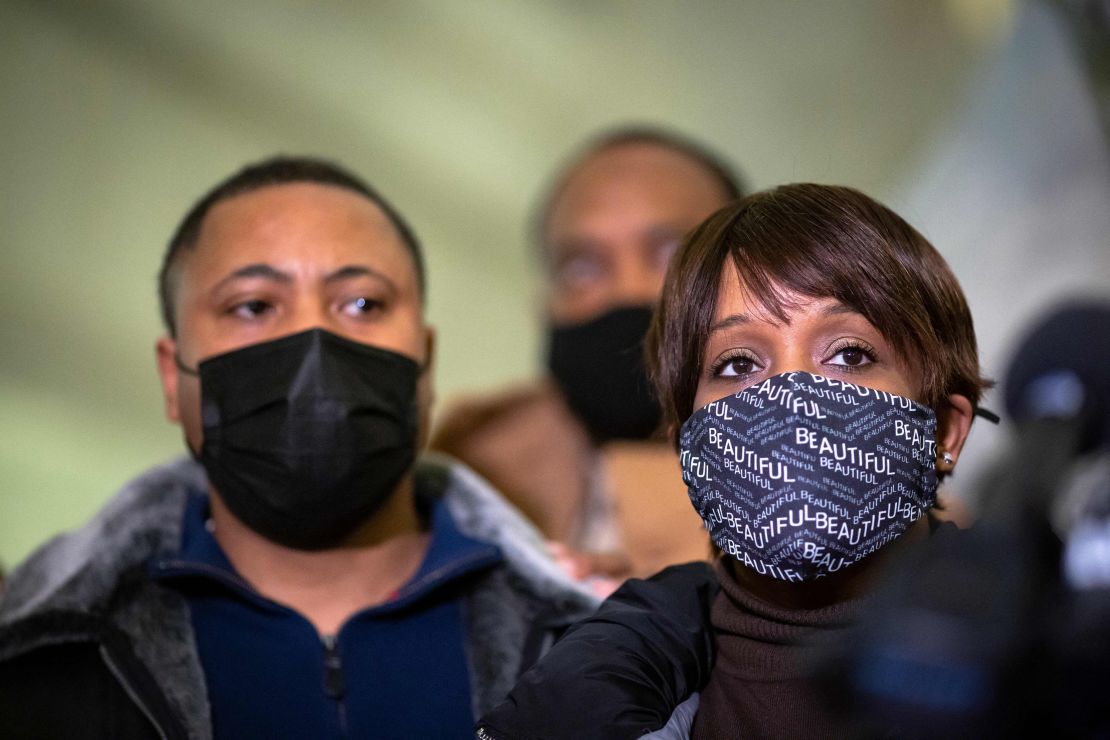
column 1061, row 371
column 976, row 634
column 1058, row 392
column 1056, row 388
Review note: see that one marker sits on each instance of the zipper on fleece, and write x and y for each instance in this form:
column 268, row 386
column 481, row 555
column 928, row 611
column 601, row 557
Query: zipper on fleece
column 335, row 685
column 485, row 732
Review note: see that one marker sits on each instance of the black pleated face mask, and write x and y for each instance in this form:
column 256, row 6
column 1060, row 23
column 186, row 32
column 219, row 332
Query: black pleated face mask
column 599, row 366
column 306, row 436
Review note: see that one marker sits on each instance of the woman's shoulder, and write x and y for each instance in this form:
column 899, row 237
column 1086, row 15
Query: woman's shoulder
column 624, row 670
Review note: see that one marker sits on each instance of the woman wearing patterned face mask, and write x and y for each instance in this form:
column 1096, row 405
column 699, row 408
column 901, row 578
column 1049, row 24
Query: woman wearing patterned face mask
column 817, row 366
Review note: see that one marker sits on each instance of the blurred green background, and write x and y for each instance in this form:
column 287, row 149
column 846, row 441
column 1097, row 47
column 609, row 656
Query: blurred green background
column 117, row 115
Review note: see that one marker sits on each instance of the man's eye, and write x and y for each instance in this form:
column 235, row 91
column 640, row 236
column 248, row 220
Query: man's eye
column 579, row 272
column 361, row 306
column 251, row 309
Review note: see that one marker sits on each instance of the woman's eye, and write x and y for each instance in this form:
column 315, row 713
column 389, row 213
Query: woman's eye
column 851, row 357
column 251, row 309
column 361, row 306
column 735, row 366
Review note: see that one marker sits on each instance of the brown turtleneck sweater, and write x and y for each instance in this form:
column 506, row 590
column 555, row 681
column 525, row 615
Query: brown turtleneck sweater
column 761, row 686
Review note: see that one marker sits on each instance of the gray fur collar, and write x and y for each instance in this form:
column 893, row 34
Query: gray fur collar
column 96, row 576
column 79, row 570
column 512, row 606
column 482, row 513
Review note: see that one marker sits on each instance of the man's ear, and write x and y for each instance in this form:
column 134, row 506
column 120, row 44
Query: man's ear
column 429, row 347
column 165, row 353
column 953, row 424
column 425, row 388
column 429, row 363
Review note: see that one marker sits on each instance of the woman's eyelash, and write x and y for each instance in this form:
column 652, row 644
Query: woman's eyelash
column 846, row 344
column 864, row 356
column 730, row 357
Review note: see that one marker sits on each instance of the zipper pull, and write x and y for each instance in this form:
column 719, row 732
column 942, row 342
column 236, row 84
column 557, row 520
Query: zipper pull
column 333, row 668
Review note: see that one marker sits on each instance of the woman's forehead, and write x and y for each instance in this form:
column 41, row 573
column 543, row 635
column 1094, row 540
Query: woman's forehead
column 740, row 310
column 735, row 299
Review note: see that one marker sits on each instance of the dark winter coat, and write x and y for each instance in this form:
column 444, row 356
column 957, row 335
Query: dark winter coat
column 90, row 646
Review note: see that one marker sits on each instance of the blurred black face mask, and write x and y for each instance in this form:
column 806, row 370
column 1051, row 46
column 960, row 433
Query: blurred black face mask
column 306, row 436
column 599, row 366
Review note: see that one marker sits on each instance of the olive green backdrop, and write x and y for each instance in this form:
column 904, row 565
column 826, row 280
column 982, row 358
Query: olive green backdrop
column 115, row 116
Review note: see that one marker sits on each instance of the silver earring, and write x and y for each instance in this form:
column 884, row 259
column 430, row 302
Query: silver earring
column 946, row 458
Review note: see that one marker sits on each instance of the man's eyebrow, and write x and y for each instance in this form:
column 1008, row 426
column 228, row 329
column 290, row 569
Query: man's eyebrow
column 257, row 270
column 356, row 271
column 269, row 272
column 573, row 244
column 665, row 230
column 736, row 319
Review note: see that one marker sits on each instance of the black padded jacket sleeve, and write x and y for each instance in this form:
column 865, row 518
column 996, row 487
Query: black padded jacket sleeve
column 621, row 672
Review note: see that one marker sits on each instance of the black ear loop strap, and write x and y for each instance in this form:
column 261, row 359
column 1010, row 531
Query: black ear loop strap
column 195, row 373
column 987, row 414
column 185, row 368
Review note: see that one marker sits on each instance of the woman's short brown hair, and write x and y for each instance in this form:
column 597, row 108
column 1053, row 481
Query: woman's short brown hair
column 821, row 241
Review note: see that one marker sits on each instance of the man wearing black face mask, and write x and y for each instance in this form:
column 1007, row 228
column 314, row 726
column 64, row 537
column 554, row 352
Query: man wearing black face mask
column 302, row 575
column 580, row 453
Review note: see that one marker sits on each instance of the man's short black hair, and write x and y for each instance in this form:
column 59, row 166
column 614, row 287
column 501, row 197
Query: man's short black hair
column 731, row 182
column 279, row 170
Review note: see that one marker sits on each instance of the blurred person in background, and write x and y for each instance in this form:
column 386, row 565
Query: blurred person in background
column 580, row 452
column 302, row 574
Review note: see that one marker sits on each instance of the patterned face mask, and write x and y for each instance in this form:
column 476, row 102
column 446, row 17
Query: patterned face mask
column 800, row 475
